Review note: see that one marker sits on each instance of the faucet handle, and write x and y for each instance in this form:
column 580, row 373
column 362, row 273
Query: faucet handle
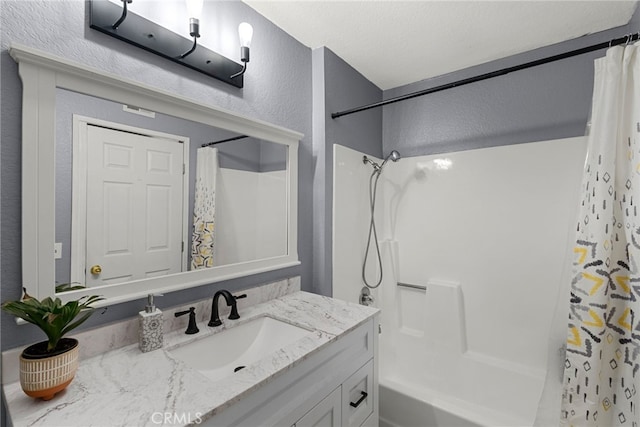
column 234, row 307
column 192, row 328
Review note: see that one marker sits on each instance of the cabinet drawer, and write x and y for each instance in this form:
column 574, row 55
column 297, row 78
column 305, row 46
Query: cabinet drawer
column 358, row 396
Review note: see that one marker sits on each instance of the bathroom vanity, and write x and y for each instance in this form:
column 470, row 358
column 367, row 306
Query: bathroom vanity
column 329, row 372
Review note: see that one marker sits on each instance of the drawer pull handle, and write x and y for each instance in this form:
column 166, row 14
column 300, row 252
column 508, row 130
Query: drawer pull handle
column 363, row 396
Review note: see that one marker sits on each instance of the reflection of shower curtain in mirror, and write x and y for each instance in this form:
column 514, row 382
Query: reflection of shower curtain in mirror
column 602, row 367
column 204, row 208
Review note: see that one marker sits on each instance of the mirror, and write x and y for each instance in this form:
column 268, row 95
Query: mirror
column 128, row 238
column 127, row 186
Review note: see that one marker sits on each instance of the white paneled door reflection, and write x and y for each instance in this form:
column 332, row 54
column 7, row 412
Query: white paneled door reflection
column 134, row 206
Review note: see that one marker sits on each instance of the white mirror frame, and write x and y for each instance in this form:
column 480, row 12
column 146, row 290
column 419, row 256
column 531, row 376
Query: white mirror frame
column 41, row 74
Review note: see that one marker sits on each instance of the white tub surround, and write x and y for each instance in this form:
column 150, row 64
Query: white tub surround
column 127, row 387
column 474, row 231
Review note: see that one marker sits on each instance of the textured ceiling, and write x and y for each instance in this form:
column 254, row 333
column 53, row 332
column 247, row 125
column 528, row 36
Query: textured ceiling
column 394, row 43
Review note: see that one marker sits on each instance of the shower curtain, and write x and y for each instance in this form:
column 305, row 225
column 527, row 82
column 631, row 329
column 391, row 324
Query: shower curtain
column 602, row 366
column 202, row 254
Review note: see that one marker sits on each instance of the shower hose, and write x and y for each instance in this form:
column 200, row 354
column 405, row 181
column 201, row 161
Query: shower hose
column 373, row 187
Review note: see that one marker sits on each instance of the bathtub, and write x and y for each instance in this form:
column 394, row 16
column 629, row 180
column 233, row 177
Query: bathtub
column 505, row 399
column 400, row 409
column 426, row 380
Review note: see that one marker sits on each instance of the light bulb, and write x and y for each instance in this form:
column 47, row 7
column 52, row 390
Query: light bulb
column 194, row 8
column 245, row 31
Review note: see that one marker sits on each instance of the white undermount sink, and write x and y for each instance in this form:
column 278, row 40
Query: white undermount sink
column 221, row 354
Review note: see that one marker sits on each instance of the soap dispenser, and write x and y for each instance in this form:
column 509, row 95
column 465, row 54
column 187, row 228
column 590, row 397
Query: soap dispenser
column 150, row 332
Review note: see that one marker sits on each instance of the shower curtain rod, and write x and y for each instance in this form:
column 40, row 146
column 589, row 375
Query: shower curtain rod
column 622, row 40
column 235, row 138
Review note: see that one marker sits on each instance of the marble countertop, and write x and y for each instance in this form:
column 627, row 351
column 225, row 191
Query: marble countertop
column 125, row 387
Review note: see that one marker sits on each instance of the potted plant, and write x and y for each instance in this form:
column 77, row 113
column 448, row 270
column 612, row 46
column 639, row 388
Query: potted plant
column 48, row 367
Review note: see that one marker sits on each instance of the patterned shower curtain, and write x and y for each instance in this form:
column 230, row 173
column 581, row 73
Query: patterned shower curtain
column 602, row 366
column 202, row 242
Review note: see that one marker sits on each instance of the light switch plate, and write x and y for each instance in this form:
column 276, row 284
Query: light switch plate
column 57, row 250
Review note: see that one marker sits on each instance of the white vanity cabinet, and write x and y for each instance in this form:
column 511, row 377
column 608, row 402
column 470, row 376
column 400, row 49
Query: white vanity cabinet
column 335, row 386
column 352, row 404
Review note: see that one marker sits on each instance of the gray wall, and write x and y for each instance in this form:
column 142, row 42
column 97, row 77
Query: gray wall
column 277, row 90
column 336, row 85
column 542, row 103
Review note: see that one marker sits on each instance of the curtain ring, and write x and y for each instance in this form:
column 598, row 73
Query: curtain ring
column 629, row 39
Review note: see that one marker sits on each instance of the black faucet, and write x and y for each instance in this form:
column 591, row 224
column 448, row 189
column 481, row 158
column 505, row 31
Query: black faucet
column 192, row 328
column 231, row 302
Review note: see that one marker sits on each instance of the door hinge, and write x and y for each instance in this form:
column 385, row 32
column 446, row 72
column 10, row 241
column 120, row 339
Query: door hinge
column 182, row 246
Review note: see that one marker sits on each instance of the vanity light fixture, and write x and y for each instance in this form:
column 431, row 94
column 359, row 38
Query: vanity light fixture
column 117, row 21
column 194, row 11
column 245, row 31
column 123, row 16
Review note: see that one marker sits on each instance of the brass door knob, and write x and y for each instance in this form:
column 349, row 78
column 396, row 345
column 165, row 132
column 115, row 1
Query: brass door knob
column 96, row 269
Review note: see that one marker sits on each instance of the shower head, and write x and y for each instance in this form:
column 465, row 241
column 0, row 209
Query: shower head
column 394, row 156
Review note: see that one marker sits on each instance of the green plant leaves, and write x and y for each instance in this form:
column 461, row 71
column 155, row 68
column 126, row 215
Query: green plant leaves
column 51, row 316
